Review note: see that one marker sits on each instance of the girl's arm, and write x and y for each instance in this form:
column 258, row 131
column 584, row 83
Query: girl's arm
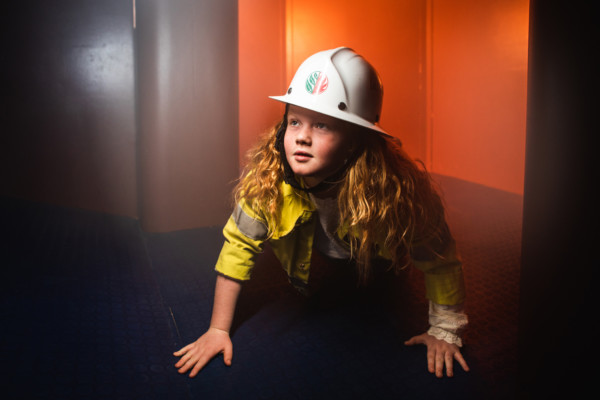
column 444, row 284
column 226, row 295
column 216, row 340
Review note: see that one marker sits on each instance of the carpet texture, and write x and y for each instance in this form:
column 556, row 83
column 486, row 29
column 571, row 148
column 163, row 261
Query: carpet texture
column 92, row 307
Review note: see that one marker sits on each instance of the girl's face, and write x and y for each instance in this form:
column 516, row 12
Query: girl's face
column 316, row 145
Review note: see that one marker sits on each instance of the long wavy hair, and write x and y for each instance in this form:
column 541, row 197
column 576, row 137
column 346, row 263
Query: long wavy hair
column 384, row 198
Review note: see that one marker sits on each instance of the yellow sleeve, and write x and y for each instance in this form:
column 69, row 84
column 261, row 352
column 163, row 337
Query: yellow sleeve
column 444, row 281
column 239, row 252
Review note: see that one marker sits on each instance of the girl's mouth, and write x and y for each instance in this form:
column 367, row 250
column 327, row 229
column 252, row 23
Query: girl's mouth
column 302, row 156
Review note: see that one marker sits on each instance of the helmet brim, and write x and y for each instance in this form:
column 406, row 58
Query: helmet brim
column 332, row 112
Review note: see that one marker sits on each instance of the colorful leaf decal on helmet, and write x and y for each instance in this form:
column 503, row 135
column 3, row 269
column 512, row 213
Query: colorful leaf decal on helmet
column 316, row 83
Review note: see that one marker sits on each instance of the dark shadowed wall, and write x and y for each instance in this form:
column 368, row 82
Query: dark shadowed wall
column 136, row 121
column 559, row 273
column 67, row 116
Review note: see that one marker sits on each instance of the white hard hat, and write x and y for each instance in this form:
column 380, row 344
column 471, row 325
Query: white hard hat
column 338, row 83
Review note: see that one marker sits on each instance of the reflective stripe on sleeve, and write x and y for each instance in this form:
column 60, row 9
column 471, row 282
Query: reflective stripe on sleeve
column 248, row 226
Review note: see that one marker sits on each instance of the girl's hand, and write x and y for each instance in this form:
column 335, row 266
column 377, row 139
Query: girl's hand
column 196, row 355
column 439, row 352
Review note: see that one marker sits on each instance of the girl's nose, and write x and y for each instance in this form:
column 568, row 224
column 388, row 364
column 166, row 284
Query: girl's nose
column 303, row 136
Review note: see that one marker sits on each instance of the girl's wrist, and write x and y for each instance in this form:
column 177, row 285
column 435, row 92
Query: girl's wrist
column 444, row 335
column 212, row 328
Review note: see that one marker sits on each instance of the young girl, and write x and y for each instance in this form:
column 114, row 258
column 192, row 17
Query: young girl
column 328, row 177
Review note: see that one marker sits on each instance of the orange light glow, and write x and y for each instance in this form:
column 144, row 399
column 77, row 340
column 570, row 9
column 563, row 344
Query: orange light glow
column 454, row 74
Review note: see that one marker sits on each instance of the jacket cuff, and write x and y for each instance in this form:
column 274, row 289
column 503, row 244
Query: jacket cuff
column 446, row 336
column 447, row 322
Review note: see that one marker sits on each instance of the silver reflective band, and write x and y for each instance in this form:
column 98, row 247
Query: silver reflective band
column 248, row 226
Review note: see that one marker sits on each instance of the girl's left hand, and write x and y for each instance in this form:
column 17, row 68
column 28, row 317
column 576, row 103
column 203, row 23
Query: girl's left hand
column 439, row 352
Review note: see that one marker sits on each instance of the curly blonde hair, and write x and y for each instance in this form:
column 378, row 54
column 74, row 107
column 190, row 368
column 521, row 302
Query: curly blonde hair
column 384, row 197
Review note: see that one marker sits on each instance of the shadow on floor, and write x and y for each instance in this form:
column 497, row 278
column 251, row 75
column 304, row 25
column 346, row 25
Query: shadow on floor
column 92, row 307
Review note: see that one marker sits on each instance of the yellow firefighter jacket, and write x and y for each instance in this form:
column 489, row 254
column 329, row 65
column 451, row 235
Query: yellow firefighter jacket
column 292, row 241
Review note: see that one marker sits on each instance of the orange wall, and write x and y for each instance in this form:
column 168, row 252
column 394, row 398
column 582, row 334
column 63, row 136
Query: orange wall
column 454, row 74
column 479, row 90
column 261, row 67
column 275, row 36
column 387, row 33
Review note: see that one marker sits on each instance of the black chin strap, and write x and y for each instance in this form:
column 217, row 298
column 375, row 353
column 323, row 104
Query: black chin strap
column 288, row 175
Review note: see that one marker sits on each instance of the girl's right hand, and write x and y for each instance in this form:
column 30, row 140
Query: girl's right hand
column 196, row 355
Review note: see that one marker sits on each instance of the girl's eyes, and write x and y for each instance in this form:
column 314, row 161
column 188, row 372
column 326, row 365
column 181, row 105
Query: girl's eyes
column 318, row 125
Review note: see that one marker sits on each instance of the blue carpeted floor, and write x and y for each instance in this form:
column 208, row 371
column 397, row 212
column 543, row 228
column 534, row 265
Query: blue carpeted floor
column 92, row 308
